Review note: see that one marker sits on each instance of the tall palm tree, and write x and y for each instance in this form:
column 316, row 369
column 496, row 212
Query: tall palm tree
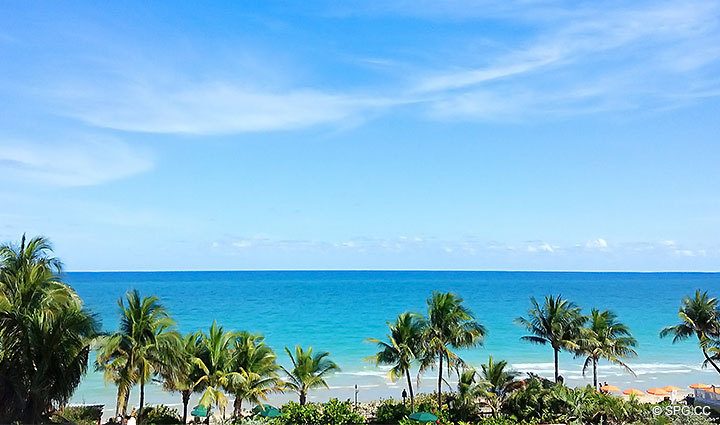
column 309, row 371
column 184, row 375
column 144, row 342
column 214, row 364
column 401, row 349
column 557, row 323
column 497, row 383
column 113, row 360
column 605, row 338
column 450, row 325
column 699, row 316
column 257, row 370
column 45, row 333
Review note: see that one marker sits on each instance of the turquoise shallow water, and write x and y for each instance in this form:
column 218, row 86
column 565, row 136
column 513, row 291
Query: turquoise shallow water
column 337, row 310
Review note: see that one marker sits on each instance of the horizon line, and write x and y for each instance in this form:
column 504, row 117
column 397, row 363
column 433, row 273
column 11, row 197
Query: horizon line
column 395, row 270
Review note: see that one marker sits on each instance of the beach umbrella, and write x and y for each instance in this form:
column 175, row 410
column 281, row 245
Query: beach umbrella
column 671, row 388
column 199, row 411
column 633, row 391
column 658, row 391
column 700, row 386
column 266, row 411
column 423, row 417
column 610, row 388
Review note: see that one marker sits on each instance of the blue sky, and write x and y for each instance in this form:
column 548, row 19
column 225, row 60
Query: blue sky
column 365, row 135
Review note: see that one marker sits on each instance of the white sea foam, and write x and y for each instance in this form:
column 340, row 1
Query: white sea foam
column 364, row 373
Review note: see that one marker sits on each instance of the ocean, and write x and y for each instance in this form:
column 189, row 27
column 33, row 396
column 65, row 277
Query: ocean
column 337, row 311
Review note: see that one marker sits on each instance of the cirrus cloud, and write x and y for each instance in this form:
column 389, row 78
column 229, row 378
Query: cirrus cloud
column 80, row 161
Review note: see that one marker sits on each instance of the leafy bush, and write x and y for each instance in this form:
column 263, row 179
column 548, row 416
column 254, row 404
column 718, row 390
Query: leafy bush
column 160, row 414
column 541, row 401
column 79, row 415
column 294, row 413
column 499, row 420
column 391, row 412
column 340, row 413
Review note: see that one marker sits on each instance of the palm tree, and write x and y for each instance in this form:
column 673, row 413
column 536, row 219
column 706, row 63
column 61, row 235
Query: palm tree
column 184, row 376
column 468, row 391
column 450, row 325
column 257, row 369
column 605, row 338
column 45, row 333
column 401, row 349
column 557, row 322
column 309, row 371
column 497, row 383
column 144, row 343
column 214, row 364
column 113, row 360
column 699, row 316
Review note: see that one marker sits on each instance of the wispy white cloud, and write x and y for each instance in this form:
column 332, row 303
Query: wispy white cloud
column 570, row 59
column 590, row 60
column 215, row 107
column 80, row 161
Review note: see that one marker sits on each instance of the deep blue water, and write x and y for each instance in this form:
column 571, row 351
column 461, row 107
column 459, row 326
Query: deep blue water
column 337, row 310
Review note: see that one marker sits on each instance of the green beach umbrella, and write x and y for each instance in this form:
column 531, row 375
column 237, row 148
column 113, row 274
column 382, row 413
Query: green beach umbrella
column 199, row 411
column 266, row 410
column 423, row 417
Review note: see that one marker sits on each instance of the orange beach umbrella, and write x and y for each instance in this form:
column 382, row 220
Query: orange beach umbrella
column 610, row 388
column 671, row 388
column 700, row 386
column 633, row 391
column 657, row 391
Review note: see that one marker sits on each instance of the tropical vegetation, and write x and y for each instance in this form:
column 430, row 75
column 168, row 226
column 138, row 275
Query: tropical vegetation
column 699, row 316
column 308, row 371
column 557, row 322
column 401, row 349
column 450, row 325
column 144, row 345
column 605, row 338
column 47, row 335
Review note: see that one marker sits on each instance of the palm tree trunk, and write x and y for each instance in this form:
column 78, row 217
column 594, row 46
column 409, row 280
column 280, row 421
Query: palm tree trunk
column 303, row 398
column 556, row 351
column 237, row 406
column 440, row 383
column 709, row 360
column 119, row 401
column 142, row 400
column 410, row 389
column 125, row 401
column 185, row 400
column 595, row 382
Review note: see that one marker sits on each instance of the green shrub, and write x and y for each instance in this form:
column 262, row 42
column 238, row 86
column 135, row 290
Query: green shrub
column 391, row 412
column 499, row 420
column 543, row 402
column 160, row 415
column 333, row 412
column 294, row 413
column 340, row 413
column 78, row 415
